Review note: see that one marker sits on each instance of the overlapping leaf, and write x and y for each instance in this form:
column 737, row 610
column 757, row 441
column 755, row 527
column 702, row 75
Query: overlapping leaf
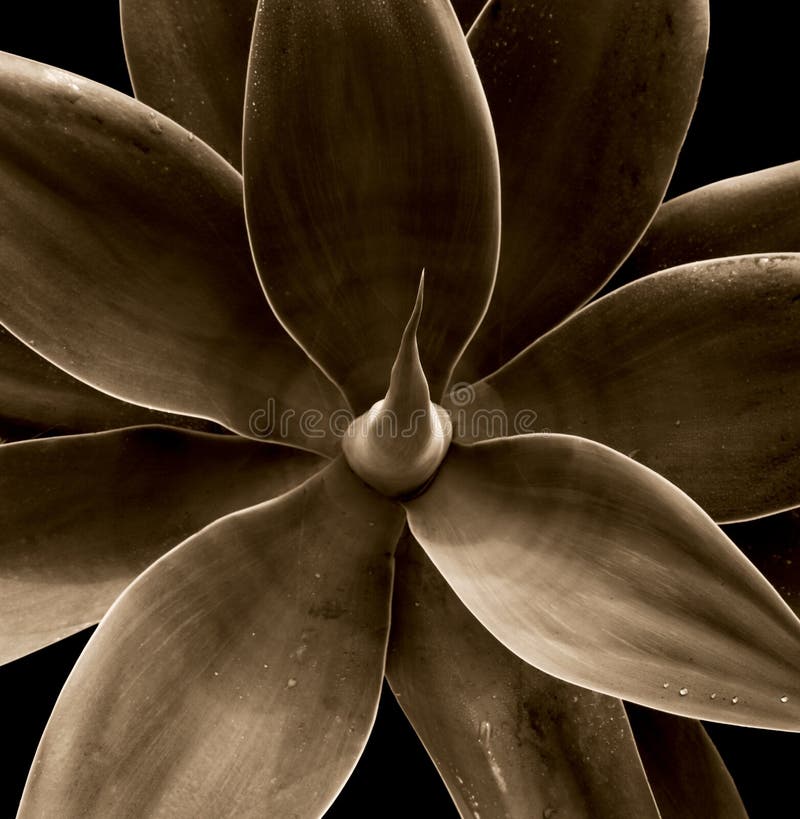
column 508, row 740
column 590, row 102
column 369, row 156
column 188, row 59
column 83, row 515
column 692, row 371
column 755, row 213
column 239, row 674
column 595, row 569
column 124, row 259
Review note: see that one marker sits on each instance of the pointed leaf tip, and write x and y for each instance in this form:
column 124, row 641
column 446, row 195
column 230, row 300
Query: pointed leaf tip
column 408, row 388
column 400, row 441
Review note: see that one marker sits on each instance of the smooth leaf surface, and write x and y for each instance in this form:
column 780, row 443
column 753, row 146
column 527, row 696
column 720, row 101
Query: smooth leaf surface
column 37, row 399
column 510, row 742
column 694, row 371
column 596, row 570
column 124, row 259
column 188, row 59
column 590, row 102
column 239, row 675
column 773, row 545
column 684, row 768
column 755, row 213
column 369, row 156
column 83, row 515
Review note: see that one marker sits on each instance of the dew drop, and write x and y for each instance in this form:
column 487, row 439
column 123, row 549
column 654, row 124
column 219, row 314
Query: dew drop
column 734, row 700
column 713, row 696
column 153, row 124
column 72, row 93
column 683, row 692
column 485, row 732
column 784, row 699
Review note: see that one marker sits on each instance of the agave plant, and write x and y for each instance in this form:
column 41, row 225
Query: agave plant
column 227, row 499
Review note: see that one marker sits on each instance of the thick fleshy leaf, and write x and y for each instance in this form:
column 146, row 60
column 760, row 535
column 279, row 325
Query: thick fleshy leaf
column 596, row 570
column 83, row 515
column 467, row 11
column 590, row 102
column 755, row 213
column 773, row 545
column 692, row 371
column 189, row 60
column 240, row 674
column 508, row 740
column 369, row 156
column 37, row 399
column 124, row 259
column 685, row 770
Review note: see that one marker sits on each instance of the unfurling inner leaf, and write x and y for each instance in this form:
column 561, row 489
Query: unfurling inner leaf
column 400, row 442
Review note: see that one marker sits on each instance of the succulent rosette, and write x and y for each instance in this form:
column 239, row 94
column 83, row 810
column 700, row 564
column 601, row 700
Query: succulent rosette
column 306, row 385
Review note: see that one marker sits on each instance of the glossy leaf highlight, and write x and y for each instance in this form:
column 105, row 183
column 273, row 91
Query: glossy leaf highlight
column 114, row 212
column 37, row 399
column 508, row 740
column 83, row 515
column 590, row 102
column 369, row 157
column 692, row 371
column 595, row 569
column 240, row 674
column 755, row 213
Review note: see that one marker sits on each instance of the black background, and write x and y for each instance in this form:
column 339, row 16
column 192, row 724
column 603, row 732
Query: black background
column 745, row 121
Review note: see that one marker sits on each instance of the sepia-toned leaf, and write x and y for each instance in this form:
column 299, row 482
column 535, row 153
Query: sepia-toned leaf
column 369, row 156
column 685, row 770
column 83, row 515
column 37, row 399
column 239, row 675
column 188, row 59
column 510, row 742
column 597, row 570
column 124, row 260
column 694, row 371
column 590, row 102
column 755, row 213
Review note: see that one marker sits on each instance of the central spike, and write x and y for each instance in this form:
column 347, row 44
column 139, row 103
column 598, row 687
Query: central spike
column 399, row 443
